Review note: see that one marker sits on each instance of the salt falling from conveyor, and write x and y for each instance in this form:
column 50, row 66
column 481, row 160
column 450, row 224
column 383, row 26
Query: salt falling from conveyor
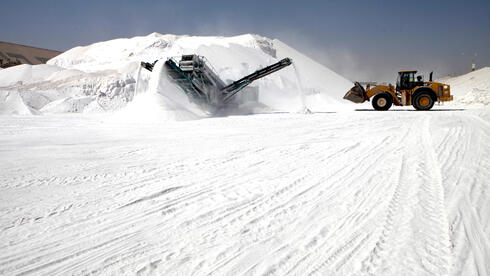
column 303, row 109
column 138, row 75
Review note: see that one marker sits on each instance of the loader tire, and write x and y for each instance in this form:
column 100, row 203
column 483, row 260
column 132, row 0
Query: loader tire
column 382, row 101
column 423, row 101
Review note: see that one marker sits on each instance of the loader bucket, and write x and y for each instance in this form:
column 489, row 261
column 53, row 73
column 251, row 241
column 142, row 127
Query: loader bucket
column 357, row 94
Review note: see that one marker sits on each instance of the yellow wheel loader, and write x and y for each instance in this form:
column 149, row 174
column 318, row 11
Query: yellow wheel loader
column 408, row 91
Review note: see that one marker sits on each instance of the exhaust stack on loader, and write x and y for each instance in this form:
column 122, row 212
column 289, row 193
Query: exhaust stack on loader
column 408, row 91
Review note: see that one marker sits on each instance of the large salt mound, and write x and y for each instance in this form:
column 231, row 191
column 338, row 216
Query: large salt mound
column 106, row 72
column 232, row 58
column 471, row 88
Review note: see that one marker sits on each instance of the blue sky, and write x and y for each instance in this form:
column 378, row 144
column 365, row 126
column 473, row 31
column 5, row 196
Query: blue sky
column 363, row 40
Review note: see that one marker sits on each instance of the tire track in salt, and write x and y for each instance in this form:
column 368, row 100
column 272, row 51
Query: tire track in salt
column 266, row 209
column 465, row 227
column 425, row 223
column 336, row 258
column 366, row 154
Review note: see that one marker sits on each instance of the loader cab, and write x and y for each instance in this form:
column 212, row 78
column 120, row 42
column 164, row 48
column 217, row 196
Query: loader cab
column 406, row 80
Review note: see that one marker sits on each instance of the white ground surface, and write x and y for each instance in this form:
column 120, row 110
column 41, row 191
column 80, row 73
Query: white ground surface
column 382, row 193
column 145, row 182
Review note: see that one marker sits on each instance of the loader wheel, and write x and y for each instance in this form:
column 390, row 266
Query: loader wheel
column 382, row 101
column 423, row 101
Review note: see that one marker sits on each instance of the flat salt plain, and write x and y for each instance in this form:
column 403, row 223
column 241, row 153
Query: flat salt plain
column 358, row 192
